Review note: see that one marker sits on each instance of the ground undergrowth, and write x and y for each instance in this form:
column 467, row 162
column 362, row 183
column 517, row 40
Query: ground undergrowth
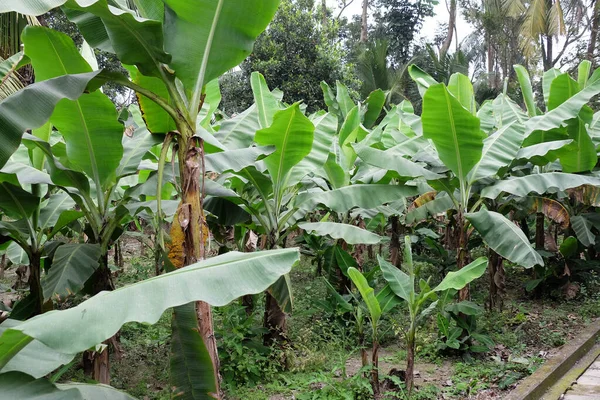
column 323, row 356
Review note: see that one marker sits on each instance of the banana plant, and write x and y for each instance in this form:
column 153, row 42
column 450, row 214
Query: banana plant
column 174, row 50
column 422, row 301
column 454, row 126
column 31, row 350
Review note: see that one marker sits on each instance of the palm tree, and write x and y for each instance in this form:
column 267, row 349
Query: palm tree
column 374, row 70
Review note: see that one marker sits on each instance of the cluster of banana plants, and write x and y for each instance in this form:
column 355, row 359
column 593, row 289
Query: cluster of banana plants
column 75, row 172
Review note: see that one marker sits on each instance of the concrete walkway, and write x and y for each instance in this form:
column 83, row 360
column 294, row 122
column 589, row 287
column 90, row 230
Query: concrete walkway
column 587, row 386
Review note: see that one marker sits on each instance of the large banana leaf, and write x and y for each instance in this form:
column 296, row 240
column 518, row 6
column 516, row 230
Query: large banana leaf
column 564, row 112
column 460, row 86
column 562, row 88
column 542, row 153
column 136, row 41
column 393, row 160
column 441, row 203
column 579, row 156
column 265, row 101
column 234, row 160
column 134, row 150
column 459, row 279
column 454, row 130
column 292, row 135
column 89, row 124
column 551, row 182
column 325, row 130
column 367, row 293
column 16, row 385
column 238, row 132
column 39, row 99
column 207, row 38
column 374, row 103
column 526, row 89
column 36, row 359
column 507, row 111
column 346, row 198
column 30, row 7
column 191, row 366
column 53, row 208
column 505, row 238
column 499, row 151
column 16, row 202
column 583, row 230
column 72, row 266
column 421, row 78
column 351, row 234
column 100, row 317
column 156, row 118
column 400, row 283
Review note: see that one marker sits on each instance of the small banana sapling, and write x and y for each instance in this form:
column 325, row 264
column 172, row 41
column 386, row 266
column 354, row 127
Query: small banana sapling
column 376, row 306
column 402, row 284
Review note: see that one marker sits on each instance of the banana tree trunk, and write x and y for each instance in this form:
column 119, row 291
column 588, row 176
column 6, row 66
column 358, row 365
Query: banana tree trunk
column 193, row 223
column 410, row 360
column 395, row 241
column 462, row 252
column 375, row 368
column 35, row 285
column 97, row 364
column 539, row 231
column 2, row 265
column 275, row 320
column 497, row 280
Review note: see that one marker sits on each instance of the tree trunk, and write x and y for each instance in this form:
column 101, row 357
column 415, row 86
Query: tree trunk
column 2, row 265
column 375, row 368
column 594, row 32
column 547, row 53
column 193, row 223
column 35, row 284
column 410, row 363
column 364, row 22
column 462, row 253
column 539, row 231
column 395, row 241
column 97, row 365
column 275, row 321
column 490, row 60
column 451, row 27
column 497, row 280
column 324, row 11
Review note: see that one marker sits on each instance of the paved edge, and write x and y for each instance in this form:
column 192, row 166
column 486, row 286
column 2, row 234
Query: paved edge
column 536, row 385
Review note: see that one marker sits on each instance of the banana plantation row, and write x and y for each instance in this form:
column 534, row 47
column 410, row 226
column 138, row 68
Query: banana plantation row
column 77, row 173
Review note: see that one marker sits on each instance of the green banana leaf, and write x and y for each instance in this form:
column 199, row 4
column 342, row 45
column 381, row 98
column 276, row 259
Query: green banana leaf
column 100, row 317
column 367, row 293
column 89, row 124
column 400, row 283
column 265, row 101
column 454, row 130
column 505, row 238
column 550, row 182
column 351, row 234
column 40, row 99
column 346, row 198
column 292, row 135
column 72, row 266
column 499, row 151
column 207, row 38
column 459, row 279
column 526, row 89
